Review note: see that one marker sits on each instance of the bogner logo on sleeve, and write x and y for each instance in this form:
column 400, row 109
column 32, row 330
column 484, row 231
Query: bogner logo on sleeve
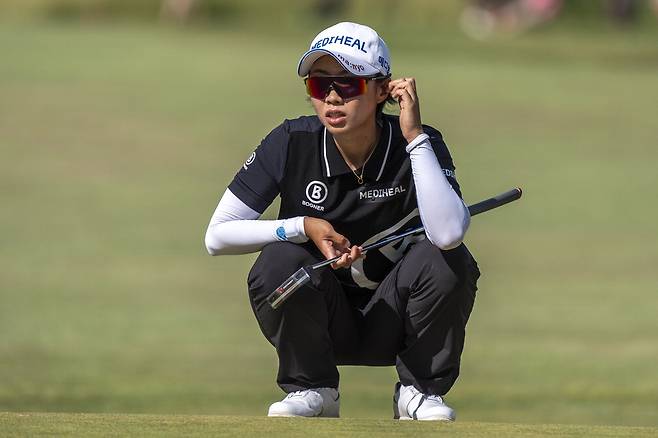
column 381, row 193
column 316, row 193
column 250, row 160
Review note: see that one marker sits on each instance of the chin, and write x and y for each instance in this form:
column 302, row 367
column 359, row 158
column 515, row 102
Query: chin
column 338, row 128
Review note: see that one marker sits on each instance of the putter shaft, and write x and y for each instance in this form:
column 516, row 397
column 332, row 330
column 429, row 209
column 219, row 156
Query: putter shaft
column 302, row 276
column 475, row 209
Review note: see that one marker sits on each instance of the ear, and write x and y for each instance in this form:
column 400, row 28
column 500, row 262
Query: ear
column 382, row 90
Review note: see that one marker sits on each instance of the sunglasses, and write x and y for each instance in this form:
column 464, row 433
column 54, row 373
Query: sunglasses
column 346, row 86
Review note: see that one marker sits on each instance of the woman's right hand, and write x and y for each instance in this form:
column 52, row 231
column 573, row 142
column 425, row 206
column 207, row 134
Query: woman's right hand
column 331, row 243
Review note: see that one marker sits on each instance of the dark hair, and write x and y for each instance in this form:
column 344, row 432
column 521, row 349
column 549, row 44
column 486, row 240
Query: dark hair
column 389, row 100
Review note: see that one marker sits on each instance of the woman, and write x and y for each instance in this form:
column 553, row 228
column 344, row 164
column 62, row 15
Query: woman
column 353, row 174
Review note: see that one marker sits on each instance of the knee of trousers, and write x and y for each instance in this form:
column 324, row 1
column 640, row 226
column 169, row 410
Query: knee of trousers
column 425, row 268
column 276, row 262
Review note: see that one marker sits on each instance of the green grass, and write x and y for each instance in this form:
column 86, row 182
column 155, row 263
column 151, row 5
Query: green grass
column 90, row 425
column 116, row 143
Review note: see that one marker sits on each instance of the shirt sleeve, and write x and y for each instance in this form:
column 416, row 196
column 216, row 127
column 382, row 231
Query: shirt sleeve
column 257, row 182
column 234, row 228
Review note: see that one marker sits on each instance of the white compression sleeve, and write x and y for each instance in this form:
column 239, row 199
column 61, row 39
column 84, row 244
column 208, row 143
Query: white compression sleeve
column 234, row 228
column 443, row 213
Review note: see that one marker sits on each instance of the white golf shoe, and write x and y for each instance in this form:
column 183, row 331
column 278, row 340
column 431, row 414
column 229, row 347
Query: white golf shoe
column 317, row 402
column 411, row 404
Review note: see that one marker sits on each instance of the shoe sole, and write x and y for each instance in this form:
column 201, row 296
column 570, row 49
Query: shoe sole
column 449, row 420
column 302, row 416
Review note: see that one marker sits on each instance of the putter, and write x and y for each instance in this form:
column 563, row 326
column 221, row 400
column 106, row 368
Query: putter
column 302, row 276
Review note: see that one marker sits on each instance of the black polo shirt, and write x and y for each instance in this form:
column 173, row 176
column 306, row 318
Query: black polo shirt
column 300, row 162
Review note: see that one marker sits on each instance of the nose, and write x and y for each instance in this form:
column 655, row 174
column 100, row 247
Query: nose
column 332, row 97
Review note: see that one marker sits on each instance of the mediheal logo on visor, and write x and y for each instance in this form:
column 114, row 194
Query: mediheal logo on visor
column 316, row 193
column 341, row 39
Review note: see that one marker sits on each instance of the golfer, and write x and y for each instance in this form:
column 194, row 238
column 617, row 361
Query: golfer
column 348, row 176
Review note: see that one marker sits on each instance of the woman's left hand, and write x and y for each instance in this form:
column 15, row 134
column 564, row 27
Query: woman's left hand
column 404, row 91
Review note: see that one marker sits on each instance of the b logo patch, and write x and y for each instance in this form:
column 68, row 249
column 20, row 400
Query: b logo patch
column 250, row 160
column 316, row 192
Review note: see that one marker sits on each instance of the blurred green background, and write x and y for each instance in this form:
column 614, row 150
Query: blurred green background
column 121, row 126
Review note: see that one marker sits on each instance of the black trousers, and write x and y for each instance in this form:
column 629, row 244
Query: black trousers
column 414, row 320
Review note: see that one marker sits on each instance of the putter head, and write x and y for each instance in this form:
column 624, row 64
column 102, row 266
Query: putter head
column 283, row 292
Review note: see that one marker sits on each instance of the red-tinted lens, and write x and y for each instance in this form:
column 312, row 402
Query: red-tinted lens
column 346, row 86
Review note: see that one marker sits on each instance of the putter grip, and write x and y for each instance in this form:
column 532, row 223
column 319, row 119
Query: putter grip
column 496, row 201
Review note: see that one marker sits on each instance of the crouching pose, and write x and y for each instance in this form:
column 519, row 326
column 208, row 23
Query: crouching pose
column 348, row 176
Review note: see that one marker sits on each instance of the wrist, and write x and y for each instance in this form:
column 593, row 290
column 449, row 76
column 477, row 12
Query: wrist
column 292, row 230
column 417, row 141
column 413, row 134
column 306, row 225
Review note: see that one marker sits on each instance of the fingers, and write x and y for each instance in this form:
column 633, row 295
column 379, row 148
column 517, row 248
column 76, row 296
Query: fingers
column 404, row 81
column 397, row 86
column 340, row 247
column 336, row 250
column 330, row 243
column 348, row 258
column 404, row 91
column 404, row 98
column 355, row 252
column 344, row 261
column 341, row 242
